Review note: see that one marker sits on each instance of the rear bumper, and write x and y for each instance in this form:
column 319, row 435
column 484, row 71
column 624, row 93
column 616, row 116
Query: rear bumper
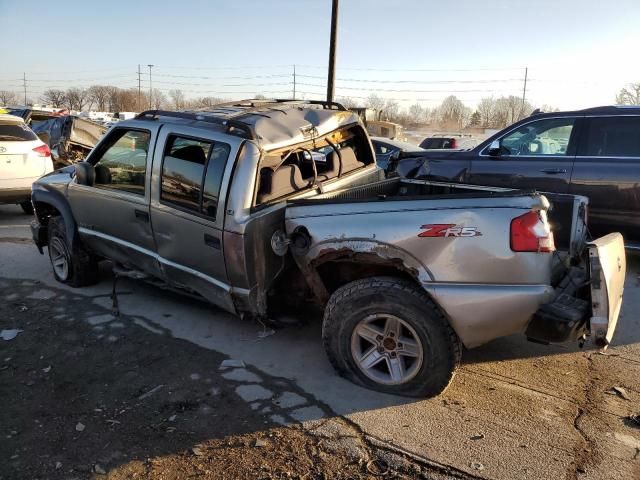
column 565, row 318
column 15, row 195
column 480, row 313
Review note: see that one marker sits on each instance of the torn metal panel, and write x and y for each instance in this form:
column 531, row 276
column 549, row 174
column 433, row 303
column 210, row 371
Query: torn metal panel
column 70, row 138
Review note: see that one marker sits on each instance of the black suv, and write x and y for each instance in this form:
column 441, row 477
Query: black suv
column 593, row 152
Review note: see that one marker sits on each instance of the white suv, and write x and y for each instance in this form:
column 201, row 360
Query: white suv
column 23, row 159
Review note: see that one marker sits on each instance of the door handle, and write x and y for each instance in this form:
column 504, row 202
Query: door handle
column 212, row 241
column 554, row 171
column 141, row 215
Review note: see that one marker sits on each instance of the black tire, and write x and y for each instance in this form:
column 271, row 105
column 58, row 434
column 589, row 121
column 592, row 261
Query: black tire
column 362, row 299
column 82, row 267
column 27, row 207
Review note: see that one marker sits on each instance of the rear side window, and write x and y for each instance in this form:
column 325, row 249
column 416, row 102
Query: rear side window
column 431, row 143
column 192, row 173
column 613, row 137
column 16, row 132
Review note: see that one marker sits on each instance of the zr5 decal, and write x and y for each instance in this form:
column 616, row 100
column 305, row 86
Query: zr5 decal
column 448, row 230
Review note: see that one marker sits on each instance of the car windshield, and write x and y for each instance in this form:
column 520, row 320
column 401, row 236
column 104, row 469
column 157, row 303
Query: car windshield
column 16, row 132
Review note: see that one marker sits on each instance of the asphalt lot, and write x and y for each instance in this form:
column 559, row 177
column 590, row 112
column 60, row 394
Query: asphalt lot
column 514, row 410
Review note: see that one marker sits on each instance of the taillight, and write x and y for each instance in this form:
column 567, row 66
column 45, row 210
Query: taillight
column 454, row 143
column 42, row 151
column 531, row 233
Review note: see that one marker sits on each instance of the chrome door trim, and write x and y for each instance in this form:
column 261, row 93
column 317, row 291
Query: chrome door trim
column 133, row 246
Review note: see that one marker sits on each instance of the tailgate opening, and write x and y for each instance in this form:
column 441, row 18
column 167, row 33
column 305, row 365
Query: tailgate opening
column 587, row 299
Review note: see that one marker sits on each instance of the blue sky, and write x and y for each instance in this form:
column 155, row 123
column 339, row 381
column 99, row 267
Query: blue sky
column 579, row 53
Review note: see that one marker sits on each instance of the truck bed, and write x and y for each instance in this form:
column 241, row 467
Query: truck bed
column 566, row 212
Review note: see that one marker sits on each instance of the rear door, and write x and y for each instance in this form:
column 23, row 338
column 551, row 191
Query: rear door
column 113, row 214
column 187, row 211
column 536, row 155
column 607, row 170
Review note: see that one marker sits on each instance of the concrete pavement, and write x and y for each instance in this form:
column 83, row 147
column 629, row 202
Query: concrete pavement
column 514, row 410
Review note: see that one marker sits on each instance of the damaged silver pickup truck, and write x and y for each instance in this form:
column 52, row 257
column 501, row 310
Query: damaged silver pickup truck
column 262, row 205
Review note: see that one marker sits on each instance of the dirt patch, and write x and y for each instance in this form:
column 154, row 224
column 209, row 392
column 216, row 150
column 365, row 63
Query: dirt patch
column 86, row 394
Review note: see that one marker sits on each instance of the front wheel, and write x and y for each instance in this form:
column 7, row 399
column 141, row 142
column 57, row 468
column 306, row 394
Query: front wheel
column 74, row 266
column 385, row 334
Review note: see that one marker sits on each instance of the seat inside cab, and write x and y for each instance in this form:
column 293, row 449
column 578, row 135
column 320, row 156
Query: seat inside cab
column 297, row 168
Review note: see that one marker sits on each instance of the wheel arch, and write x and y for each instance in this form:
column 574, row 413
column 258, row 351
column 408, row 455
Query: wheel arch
column 52, row 203
column 329, row 265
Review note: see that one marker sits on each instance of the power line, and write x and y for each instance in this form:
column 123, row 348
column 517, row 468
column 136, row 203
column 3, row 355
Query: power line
column 238, row 77
column 223, row 85
column 366, row 80
column 393, row 90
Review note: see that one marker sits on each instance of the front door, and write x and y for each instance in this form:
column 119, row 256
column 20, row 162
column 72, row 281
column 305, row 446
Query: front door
column 113, row 214
column 538, row 155
column 186, row 213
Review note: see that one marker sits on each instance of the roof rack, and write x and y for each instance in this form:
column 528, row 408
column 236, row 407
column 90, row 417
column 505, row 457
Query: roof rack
column 254, row 104
column 233, row 126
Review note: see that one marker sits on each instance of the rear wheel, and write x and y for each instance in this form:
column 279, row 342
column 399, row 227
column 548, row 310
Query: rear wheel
column 27, row 207
column 385, row 333
column 75, row 267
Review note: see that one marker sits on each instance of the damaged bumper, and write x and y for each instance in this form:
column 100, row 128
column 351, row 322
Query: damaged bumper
column 587, row 301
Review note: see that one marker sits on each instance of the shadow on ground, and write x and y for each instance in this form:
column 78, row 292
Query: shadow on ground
column 85, row 393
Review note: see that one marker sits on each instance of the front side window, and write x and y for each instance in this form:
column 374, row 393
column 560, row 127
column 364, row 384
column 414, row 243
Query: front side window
column 123, row 165
column 192, row 174
column 613, row 137
column 544, row 137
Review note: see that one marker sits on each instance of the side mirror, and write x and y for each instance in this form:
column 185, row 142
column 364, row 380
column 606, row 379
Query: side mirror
column 85, row 174
column 494, row 149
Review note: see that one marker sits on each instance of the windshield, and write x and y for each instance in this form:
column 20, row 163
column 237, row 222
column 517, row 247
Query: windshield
column 16, row 132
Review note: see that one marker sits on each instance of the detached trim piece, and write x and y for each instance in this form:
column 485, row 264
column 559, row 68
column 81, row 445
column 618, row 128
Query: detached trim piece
column 162, row 260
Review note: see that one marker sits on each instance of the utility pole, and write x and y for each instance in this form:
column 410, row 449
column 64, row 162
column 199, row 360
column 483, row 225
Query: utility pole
column 294, row 82
column 332, row 52
column 150, row 89
column 24, row 84
column 139, row 91
column 524, row 90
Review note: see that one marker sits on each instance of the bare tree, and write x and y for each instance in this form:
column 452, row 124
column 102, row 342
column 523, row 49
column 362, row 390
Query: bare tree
column 159, row 99
column 417, row 114
column 375, row 103
column 347, row 102
column 391, row 110
column 630, row 95
column 8, row 98
column 451, row 112
column 53, row 97
column 177, row 97
column 99, row 94
column 203, row 102
column 486, row 109
column 76, row 98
